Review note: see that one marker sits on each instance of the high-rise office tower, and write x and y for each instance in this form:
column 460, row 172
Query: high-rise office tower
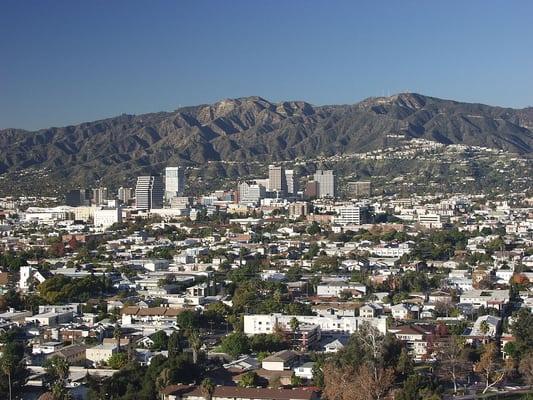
column 174, row 182
column 75, row 198
column 326, row 183
column 100, row 196
column 311, row 190
column 277, row 181
column 124, row 194
column 292, row 187
column 149, row 192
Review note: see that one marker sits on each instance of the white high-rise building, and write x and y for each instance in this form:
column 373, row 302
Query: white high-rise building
column 326, row 183
column 149, row 192
column 292, row 187
column 174, row 182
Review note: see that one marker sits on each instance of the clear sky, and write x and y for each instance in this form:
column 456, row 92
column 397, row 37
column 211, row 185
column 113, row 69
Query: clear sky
column 70, row 61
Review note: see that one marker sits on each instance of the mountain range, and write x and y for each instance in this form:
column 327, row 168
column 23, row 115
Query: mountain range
column 255, row 129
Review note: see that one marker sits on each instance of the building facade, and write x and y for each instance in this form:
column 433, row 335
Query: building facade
column 277, row 181
column 174, row 182
column 149, row 192
column 326, row 183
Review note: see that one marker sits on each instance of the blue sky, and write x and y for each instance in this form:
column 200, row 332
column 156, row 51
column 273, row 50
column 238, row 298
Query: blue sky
column 70, row 61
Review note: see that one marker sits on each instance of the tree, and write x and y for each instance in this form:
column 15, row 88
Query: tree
column 451, row 360
column 490, row 367
column 484, row 327
column 188, row 320
column 363, row 367
column 195, row 343
column 235, row 344
column 313, row 229
column 60, row 392
column 13, row 371
column 522, row 330
column 208, row 388
column 174, row 344
column 405, row 364
column 248, row 379
column 294, row 324
column 526, row 368
column 160, row 340
column 296, row 380
column 265, row 342
column 57, row 369
column 117, row 333
column 7, row 363
column 216, row 313
column 117, row 360
column 350, row 383
column 418, row 387
column 318, row 374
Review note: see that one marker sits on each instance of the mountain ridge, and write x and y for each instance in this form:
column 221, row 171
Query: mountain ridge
column 255, row 129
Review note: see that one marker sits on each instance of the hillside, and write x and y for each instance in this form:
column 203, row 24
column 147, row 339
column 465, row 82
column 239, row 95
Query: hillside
column 254, row 129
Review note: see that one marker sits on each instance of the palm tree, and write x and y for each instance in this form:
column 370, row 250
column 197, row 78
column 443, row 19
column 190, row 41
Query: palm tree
column 163, row 380
column 294, row 324
column 195, row 343
column 484, row 328
column 59, row 392
column 58, row 370
column 208, row 388
column 7, row 363
column 117, row 333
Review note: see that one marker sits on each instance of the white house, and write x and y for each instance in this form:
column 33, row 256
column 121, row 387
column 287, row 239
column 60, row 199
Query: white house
column 305, row 370
column 336, row 288
column 400, row 311
column 100, row 353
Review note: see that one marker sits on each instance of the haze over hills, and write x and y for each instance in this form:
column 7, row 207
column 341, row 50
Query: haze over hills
column 253, row 128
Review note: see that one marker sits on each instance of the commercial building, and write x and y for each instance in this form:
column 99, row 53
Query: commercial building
column 349, row 215
column 100, row 196
column 311, row 190
column 299, row 209
column 277, row 181
column 251, row 193
column 76, row 198
column 124, row 194
column 267, row 323
column 430, row 221
column 105, row 217
column 174, row 182
column 326, row 183
column 292, row 182
column 149, row 192
column 51, row 318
